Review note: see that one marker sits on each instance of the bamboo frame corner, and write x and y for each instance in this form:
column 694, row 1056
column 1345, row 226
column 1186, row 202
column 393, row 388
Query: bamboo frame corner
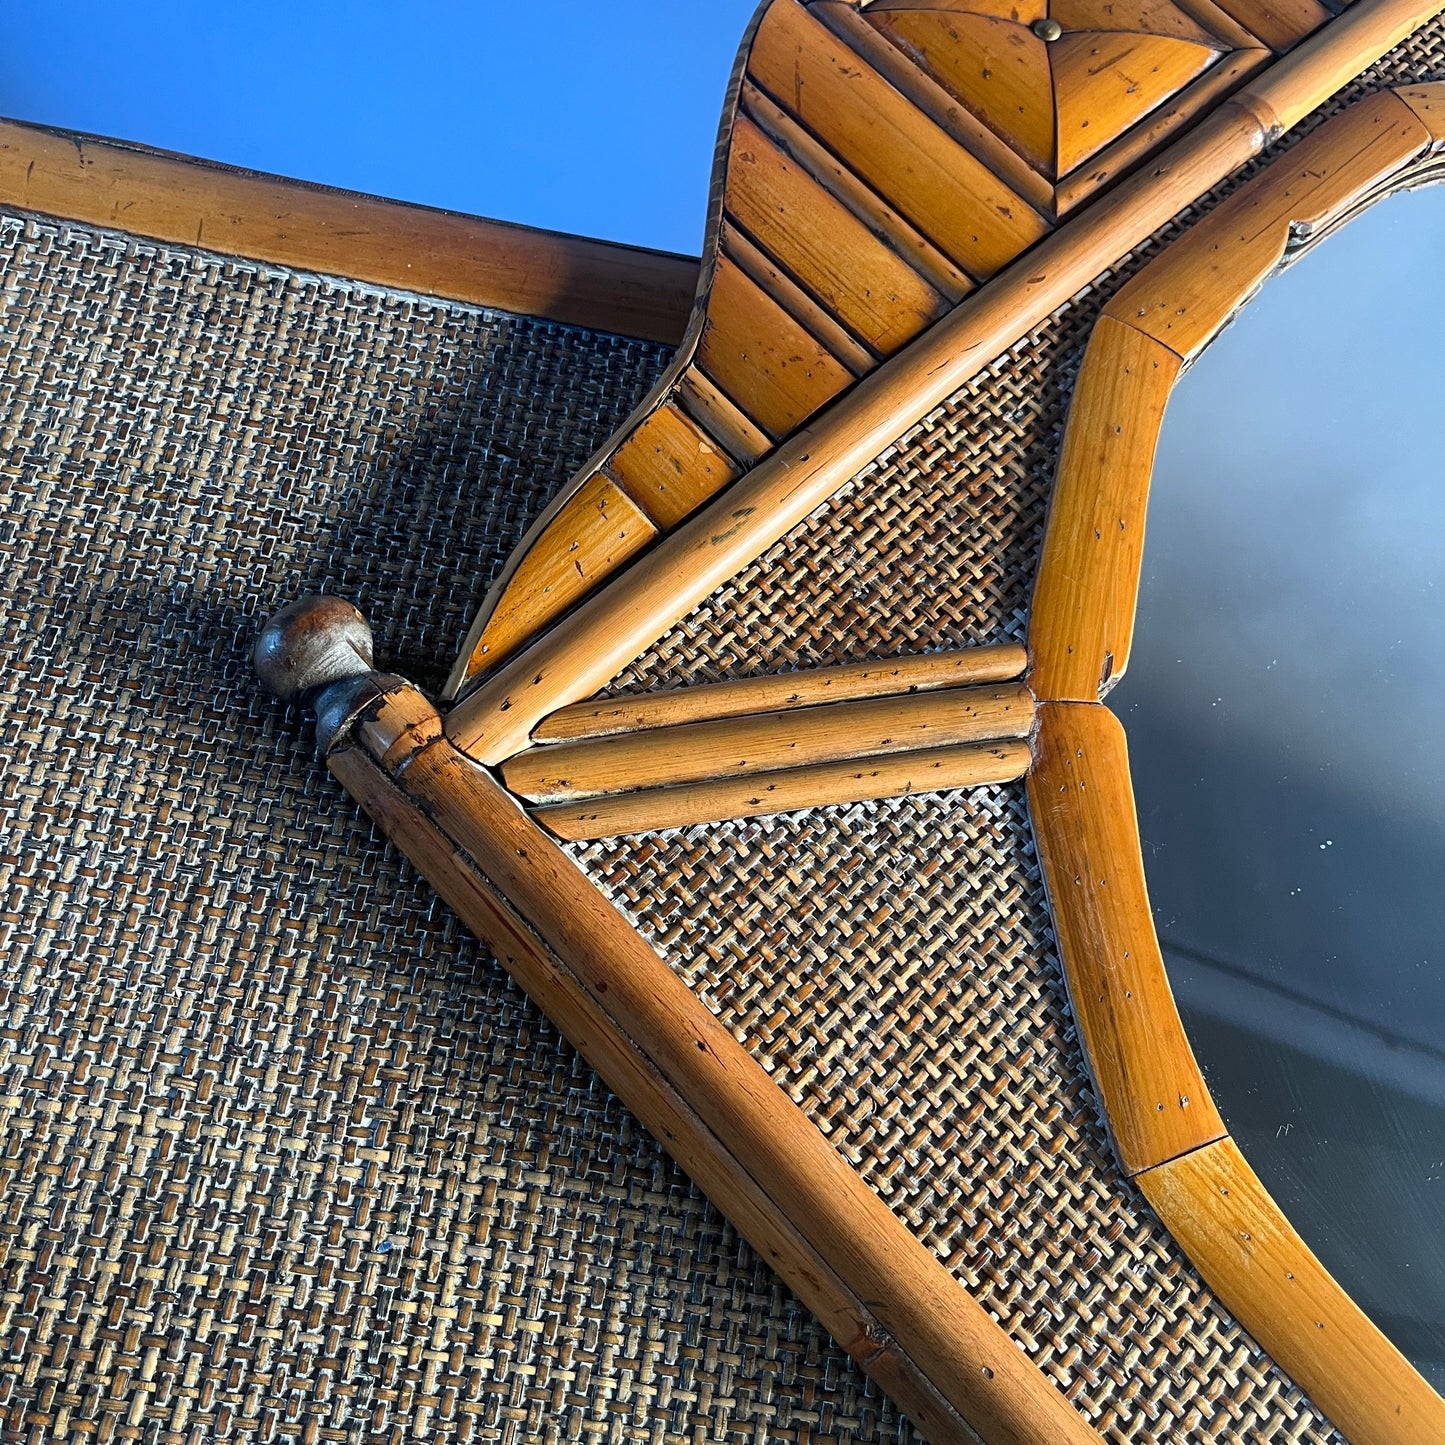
column 1167, row 1132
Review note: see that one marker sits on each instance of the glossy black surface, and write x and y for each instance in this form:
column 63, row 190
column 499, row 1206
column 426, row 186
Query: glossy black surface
column 1285, row 706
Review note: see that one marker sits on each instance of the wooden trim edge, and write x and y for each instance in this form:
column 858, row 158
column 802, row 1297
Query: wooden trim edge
column 163, row 196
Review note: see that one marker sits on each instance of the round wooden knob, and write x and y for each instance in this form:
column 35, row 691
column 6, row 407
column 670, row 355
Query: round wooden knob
column 315, row 641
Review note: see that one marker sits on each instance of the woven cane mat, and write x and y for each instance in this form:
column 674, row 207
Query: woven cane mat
column 283, row 1155
column 893, row 964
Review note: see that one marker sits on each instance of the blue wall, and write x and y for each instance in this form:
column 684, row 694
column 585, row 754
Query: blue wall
column 592, row 117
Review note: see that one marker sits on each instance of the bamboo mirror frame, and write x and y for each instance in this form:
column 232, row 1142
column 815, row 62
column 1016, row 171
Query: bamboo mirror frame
column 1168, row 1134
column 478, row 797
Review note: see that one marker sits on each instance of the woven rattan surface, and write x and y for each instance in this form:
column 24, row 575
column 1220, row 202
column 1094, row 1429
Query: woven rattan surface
column 283, row 1156
column 893, row 964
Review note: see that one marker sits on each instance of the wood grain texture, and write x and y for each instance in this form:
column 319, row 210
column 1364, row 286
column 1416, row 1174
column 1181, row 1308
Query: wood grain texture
column 189, row 202
column 864, row 283
column 779, row 692
column 1428, row 103
column 814, row 317
column 915, row 166
column 907, row 76
column 586, row 650
column 1266, row 1276
column 1082, row 619
column 822, row 785
column 773, row 369
column 1281, row 24
column 1082, row 806
column 866, row 204
column 715, row 414
column 1184, row 297
column 999, row 67
column 1163, row 19
column 633, row 995
column 599, row 527
column 669, row 466
column 765, row 742
column 1084, row 183
column 584, row 1021
column 1210, row 17
column 1106, row 83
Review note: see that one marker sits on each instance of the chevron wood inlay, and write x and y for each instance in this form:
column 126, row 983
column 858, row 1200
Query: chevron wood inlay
column 880, row 163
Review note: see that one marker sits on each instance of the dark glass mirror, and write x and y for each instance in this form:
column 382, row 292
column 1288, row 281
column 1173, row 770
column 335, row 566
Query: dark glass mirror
column 1285, row 706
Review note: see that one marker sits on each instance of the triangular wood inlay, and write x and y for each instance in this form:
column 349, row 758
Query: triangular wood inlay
column 998, row 69
column 1106, row 82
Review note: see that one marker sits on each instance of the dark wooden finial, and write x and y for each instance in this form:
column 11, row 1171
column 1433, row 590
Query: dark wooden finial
column 310, row 644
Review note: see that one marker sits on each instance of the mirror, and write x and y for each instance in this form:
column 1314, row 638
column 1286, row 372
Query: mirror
column 1285, row 707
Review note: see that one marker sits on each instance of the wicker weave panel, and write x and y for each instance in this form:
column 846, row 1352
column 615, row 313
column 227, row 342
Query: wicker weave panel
column 283, row 1156
column 893, row 965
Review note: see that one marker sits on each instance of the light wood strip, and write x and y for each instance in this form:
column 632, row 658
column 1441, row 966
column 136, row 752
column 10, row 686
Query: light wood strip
column 779, row 692
column 1157, row 18
column 1114, row 161
column 1265, row 1275
column 1082, row 619
column 669, row 466
column 1183, row 298
column 869, row 207
column 1281, row 24
column 943, row 189
column 1025, row 12
column 950, row 1338
column 764, row 272
column 719, row 416
column 625, row 1069
column 943, row 109
column 775, row 370
column 1082, row 806
column 998, row 68
column 866, row 284
column 1428, row 103
column 592, row 646
column 764, row 742
column 1208, row 15
column 1107, row 83
column 820, row 786
column 594, row 533
column 191, row 202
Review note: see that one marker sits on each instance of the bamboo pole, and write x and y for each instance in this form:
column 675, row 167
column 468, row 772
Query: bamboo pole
column 590, row 646
column 748, row 746
column 1224, row 1219
column 635, row 1080
column 933, row 770
column 777, row 692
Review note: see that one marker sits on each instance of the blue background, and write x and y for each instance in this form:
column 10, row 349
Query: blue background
column 593, row 116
